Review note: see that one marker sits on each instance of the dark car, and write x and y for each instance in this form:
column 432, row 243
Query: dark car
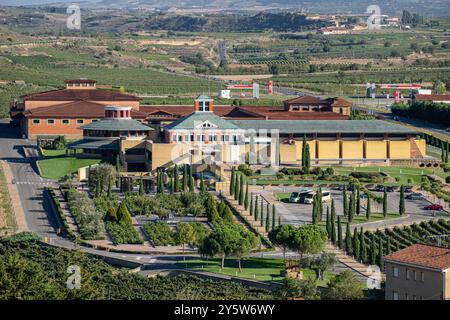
column 415, row 196
column 379, row 187
column 434, row 207
column 391, row 189
column 408, row 190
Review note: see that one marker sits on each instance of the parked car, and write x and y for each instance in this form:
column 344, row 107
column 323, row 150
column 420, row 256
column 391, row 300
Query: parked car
column 391, row 189
column 309, row 198
column 408, row 189
column 434, row 207
column 379, row 188
column 298, row 197
column 415, row 196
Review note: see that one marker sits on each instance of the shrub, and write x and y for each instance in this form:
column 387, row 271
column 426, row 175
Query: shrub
column 245, row 170
column 365, row 175
column 123, row 233
column 447, row 179
column 160, row 234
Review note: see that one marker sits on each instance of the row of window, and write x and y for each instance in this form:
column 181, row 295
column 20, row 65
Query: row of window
column 396, row 296
column 63, row 121
column 202, row 138
column 409, row 274
column 82, row 84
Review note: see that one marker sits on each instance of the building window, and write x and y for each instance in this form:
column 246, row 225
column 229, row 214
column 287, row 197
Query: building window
column 36, row 121
column 192, row 137
column 65, row 121
column 95, row 120
column 295, row 107
column 80, row 121
column 395, row 272
column 305, row 107
column 212, row 137
column 341, row 110
column 407, row 274
column 422, row 277
column 50, row 121
column 406, row 296
column 394, row 295
column 415, row 275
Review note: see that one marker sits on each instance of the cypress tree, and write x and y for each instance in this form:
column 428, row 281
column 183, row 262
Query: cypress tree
column 351, row 208
column 307, row 158
column 233, row 177
column 368, row 209
column 172, row 184
column 363, row 246
column 98, row 191
column 246, row 197
column 333, row 222
column 202, row 184
column 328, row 223
column 191, row 180
column 344, row 201
column 380, row 254
column 304, row 152
column 388, row 245
column 402, row 201
column 117, row 170
column 340, row 240
column 279, row 220
column 256, row 208
column 236, row 186
column 385, row 203
column 267, row 217
column 141, row 187
column 358, row 201
column 185, row 178
column 373, row 250
column 176, row 179
column 241, row 191
column 273, row 216
column 314, row 210
column 397, row 246
column 348, row 240
column 319, row 205
column 262, row 212
column 356, row 245
column 251, row 204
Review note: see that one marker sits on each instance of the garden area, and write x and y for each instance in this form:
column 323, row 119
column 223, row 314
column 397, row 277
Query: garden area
column 56, row 164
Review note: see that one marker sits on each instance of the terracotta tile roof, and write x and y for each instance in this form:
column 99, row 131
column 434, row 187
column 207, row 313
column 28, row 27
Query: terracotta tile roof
column 432, row 97
column 423, row 255
column 76, row 109
column 339, row 102
column 82, row 94
column 306, row 100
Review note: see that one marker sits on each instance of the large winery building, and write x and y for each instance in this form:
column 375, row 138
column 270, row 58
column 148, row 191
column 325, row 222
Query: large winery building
column 112, row 123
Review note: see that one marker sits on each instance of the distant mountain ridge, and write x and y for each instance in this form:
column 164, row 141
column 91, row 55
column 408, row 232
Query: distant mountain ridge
column 428, row 7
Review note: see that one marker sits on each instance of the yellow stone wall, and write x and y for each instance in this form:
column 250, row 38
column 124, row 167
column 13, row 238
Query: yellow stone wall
column 352, row 149
column 312, row 149
column 376, row 149
column 400, row 149
column 163, row 153
column 422, row 145
column 288, row 153
column 328, row 149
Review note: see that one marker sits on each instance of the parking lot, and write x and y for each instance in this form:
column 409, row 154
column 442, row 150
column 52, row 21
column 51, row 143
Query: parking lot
column 299, row 213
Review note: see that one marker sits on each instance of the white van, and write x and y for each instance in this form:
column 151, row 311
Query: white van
column 297, row 197
column 309, row 198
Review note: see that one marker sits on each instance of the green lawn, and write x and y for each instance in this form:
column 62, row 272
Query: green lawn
column 56, row 165
column 261, row 269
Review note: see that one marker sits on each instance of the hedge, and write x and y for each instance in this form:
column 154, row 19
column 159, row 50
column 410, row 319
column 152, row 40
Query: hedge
column 60, row 212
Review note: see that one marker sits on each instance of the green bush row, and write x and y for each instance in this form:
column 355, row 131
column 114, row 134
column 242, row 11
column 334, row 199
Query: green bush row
column 61, row 215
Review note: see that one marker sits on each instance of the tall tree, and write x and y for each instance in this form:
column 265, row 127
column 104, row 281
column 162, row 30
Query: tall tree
column 307, row 159
column 340, row 240
column 267, row 217
column 273, row 217
column 236, row 186
column 333, row 222
column 356, row 245
column 348, row 240
column 380, row 254
column 241, row 190
column 186, row 233
column 246, row 200
column 401, row 208
column 368, row 209
column 251, row 204
column 233, row 181
column 358, row 200
column 328, row 223
column 141, row 187
column 385, row 203
column 362, row 240
column 176, row 179
column 345, row 201
column 185, row 178
column 309, row 239
column 191, row 180
column 256, row 211
column 388, row 245
column 282, row 237
column 373, row 250
column 262, row 212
